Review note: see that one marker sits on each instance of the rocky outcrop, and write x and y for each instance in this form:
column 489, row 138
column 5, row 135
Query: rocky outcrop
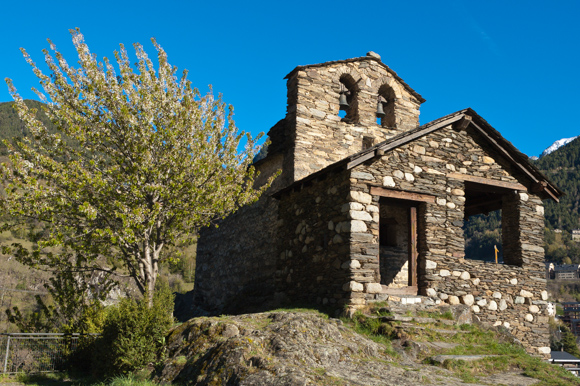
column 291, row 348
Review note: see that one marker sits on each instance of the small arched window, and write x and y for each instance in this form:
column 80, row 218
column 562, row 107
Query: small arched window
column 386, row 104
column 348, row 99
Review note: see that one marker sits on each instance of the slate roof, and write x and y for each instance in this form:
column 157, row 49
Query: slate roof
column 563, row 356
column 566, row 268
column 469, row 116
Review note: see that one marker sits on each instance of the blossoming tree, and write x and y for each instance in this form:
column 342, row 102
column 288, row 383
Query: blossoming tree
column 139, row 161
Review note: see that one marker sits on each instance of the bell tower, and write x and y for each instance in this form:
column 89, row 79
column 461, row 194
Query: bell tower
column 339, row 108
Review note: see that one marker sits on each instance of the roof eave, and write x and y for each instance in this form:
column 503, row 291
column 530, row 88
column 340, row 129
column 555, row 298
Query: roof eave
column 464, row 117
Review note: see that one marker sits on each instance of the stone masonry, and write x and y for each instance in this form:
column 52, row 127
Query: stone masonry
column 332, row 230
column 513, row 294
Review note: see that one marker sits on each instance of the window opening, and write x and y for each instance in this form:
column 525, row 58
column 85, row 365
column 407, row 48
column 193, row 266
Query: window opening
column 348, row 99
column 482, row 227
column 386, row 107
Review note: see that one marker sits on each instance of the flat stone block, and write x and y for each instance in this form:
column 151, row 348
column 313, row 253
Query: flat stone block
column 373, row 288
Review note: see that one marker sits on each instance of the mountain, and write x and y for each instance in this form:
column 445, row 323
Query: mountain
column 556, row 145
column 562, row 167
column 12, row 127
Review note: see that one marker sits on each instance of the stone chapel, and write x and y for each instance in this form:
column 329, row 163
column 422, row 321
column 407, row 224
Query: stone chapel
column 370, row 206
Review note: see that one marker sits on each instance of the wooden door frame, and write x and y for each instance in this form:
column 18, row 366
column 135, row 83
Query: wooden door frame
column 412, row 248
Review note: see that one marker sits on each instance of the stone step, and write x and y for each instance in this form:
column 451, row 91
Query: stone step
column 441, row 345
column 410, row 318
column 438, row 330
column 467, row 358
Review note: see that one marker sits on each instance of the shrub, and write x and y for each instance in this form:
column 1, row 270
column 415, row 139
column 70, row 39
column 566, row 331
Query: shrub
column 133, row 334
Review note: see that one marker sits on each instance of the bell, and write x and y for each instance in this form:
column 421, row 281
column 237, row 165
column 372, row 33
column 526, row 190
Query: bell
column 342, row 102
column 380, row 111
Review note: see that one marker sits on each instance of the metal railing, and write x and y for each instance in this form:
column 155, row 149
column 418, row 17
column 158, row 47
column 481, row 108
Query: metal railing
column 37, row 352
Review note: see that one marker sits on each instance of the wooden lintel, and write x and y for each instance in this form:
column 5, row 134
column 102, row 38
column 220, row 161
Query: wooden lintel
column 487, row 181
column 377, row 191
column 463, row 123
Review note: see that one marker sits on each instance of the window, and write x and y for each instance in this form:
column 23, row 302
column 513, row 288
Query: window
column 349, row 89
column 482, row 227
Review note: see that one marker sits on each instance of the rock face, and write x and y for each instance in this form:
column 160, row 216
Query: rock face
column 288, row 348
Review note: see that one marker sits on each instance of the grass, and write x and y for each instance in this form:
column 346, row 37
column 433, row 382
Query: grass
column 547, row 374
column 375, row 330
column 137, row 379
column 471, row 340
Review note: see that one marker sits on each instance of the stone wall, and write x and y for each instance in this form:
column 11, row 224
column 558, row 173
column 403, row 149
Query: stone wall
column 512, row 294
column 313, row 262
column 236, row 264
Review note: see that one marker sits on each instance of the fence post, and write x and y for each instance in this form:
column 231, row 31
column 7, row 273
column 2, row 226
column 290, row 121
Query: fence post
column 6, row 357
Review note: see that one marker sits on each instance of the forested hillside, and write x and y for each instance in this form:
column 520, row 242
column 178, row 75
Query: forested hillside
column 562, row 168
column 12, row 127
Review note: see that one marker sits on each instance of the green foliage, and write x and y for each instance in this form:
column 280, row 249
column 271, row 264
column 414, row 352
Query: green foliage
column 563, row 168
column 568, row 342
column 133, row 334
column 63, row 378
column 482, row 233
column 74, row 304
column 11, row 126
column 137, row 162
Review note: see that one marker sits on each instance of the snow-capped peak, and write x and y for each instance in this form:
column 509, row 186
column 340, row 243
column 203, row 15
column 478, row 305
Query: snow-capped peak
column 558, row 144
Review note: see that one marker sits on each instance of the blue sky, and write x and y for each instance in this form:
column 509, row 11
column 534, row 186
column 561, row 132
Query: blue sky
column 514, row 62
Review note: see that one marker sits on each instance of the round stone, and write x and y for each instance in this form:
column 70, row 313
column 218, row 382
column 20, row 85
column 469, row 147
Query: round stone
column 453, row 300
column 467, row 299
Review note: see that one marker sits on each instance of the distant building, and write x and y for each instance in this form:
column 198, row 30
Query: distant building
column 550, row 271
column 572, row 316
column 566, row 272
column 576, row 235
